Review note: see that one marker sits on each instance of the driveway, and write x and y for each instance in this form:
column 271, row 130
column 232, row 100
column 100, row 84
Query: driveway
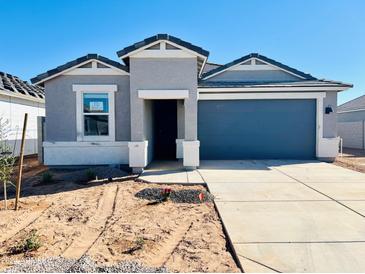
column 291, row 216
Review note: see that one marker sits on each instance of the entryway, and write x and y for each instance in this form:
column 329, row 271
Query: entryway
column 164, row 129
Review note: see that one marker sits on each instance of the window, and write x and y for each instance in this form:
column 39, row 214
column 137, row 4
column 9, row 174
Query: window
column 95, row 112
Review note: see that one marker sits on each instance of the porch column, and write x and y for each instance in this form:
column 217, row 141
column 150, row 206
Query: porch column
column 138, row 146
column 191, row 143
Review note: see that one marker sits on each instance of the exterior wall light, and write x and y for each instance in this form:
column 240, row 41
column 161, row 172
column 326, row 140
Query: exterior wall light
column 328, row 110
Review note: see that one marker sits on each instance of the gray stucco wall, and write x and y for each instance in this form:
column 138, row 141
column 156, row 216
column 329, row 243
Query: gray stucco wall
column 254, row 76
column 160, row 73
column 330, row 120
column 351, row 116
column 61, row 106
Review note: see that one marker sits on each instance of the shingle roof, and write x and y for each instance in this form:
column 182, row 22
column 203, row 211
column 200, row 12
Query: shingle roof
column 157, row 37
column 76, row 62
column 209, row 66
column 305, row 83
column 264, row 58
column 355, row 104
column 15, row 86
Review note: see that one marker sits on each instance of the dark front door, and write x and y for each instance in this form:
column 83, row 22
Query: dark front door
column 165, row 129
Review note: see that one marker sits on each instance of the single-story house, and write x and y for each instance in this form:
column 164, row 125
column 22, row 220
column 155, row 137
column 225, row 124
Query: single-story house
column 351, row 123
column 166, row 102
column 18, row 97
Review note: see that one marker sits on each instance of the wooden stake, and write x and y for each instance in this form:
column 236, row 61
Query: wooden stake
column 21, row 156
column 5, row 196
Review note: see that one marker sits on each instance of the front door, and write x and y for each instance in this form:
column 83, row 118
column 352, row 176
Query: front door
column 165, row 129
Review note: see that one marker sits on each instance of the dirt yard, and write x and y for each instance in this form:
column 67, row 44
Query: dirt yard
column 108, row 223
column 352, row 159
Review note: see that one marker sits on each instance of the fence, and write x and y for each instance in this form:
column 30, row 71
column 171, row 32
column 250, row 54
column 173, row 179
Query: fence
column 352, row 133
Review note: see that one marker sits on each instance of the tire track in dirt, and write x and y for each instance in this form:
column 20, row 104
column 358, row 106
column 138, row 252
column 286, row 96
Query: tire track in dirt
column 170, row 245
column 96, row 226
column 29, row 219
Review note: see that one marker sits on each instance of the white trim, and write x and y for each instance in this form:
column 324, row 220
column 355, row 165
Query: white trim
column 353, row 110
column 259, row 88
column 244, row 96
column 85, row 144
column 238, row 64
column 80, row 90
column 323, row 149
column 253, row 67
column 132, row 53
column 82, row 71
column 95, row 88
column 203, row 65
column 21, row 96
column 163, row 53
column 95, row 71
column 163, row 94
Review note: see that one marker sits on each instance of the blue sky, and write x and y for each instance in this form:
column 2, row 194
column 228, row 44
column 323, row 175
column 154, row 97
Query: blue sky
column 325, row 38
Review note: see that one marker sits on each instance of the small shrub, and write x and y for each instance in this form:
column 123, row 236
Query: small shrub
column 138, row 245
column 47, row 177
column 90, row 175
column 32, row 243
column 139, row 242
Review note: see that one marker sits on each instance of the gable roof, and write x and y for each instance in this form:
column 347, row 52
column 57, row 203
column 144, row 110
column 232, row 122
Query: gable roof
column 353, row 105
column 202, row 54
column 14, row 86
column 220, row 69
column 74, row 63
column 123, row 53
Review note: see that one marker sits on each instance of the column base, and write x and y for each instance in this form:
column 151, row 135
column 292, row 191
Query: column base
column 191, row 154
column 328, row 148
column 138, row 154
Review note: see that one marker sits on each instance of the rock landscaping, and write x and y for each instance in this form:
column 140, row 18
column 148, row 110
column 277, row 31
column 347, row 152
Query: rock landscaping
column 193, row 196
column 83, row 265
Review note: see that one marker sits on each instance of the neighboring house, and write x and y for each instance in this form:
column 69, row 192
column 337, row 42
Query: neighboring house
column 16, row 98
column 351, row 123
column 167, row 102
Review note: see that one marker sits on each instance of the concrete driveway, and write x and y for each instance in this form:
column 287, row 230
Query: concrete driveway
column 291, row 216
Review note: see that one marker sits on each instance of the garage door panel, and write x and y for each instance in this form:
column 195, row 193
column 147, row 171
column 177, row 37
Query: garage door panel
column 257, row 129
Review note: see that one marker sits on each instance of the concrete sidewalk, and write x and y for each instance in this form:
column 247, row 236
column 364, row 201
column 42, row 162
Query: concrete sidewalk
column 170, row 172
column 284, row 216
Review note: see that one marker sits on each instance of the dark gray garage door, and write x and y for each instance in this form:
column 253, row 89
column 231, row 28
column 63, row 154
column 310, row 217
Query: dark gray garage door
column 257, row 129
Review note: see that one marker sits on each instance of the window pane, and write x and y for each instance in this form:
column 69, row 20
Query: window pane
column 96, row 125
column 96, row 102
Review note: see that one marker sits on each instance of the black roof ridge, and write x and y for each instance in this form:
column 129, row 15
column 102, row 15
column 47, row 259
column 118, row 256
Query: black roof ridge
column 75, row 62
column 212, row 63
column 162, row 36
column 306, row 76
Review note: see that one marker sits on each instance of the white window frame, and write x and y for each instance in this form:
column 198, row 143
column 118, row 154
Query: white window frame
column 80, row 91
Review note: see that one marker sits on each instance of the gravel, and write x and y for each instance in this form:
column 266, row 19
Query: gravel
column 176, row 196
column 83, row 265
